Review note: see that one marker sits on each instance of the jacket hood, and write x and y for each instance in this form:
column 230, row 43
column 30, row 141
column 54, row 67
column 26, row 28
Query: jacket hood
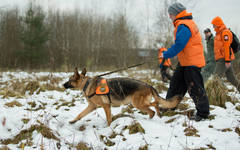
column 217, row 21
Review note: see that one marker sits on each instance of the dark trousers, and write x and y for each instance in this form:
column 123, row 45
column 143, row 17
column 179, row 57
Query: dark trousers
column 164, row 73
column 190, row 79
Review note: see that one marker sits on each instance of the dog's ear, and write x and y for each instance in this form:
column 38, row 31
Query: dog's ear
column 76, row 71
column 77, row 76
column 84, row 71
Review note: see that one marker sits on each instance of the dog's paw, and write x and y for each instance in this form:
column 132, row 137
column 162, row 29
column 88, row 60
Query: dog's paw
column 72, row 122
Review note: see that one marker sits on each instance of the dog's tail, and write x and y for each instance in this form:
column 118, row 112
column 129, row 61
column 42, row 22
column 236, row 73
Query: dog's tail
column 166, row 103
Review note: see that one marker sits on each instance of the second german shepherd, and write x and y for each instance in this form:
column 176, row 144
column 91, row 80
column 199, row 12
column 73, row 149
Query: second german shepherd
column 121, row 91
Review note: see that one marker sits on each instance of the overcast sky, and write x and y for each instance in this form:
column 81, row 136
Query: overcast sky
column 138, row 10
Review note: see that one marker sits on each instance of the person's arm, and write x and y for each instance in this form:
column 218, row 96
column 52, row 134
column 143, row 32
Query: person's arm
column 227, row 38
column 182, row 37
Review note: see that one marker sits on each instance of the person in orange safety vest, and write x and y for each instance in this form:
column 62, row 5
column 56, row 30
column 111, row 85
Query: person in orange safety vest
column 188, row 47
column 164, row 64
column 224, row 54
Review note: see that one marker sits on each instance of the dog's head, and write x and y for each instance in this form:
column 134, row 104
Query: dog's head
column 76, row 79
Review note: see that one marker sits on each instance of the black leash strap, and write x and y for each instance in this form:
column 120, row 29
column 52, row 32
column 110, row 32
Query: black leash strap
column 125, row 68
column 168, row 63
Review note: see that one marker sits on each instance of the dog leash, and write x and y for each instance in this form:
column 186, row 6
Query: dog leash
column 168, row 63
column 125, row 68
column 132, row 66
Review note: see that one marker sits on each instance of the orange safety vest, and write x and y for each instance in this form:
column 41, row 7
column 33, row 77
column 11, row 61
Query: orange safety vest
column 102, row 88
column 222, row 42
column 167, row 61
column 192, row 54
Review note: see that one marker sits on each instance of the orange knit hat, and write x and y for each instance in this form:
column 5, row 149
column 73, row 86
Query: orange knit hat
column 217, row 21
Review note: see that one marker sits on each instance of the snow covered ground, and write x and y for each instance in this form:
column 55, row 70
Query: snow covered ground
column 40, row 119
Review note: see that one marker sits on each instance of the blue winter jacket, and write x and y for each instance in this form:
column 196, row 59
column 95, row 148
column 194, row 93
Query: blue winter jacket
column 182, row 37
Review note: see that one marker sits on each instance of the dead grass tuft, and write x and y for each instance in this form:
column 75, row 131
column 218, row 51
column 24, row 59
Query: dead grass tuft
column 53, row 80
column 27, row 134
column 135, row 128
column 226, row 130
column 31, row 86
column 9, row 93
column 65, row 103
column 238, row 108
column 145, row 147
column 82, row 146
column 82, row 128
column 25, row 120
column 169, row 113
column 106, row 141
column 128, row 109
column 170, row 120
column 210, row 146
column 237, row 130
column 217, row 92
column 32, row 104
column 51, row 87
column 191, row 131
column 119, row 116
column 13, row 103
column 113, row 135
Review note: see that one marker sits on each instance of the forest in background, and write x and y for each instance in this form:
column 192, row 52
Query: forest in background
column 60, row 40
column 34, row 39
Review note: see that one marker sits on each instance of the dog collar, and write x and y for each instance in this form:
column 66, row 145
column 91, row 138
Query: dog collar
column 86, row 85
column 85, row 88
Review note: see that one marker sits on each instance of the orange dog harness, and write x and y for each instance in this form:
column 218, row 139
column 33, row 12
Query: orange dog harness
column 102, row 88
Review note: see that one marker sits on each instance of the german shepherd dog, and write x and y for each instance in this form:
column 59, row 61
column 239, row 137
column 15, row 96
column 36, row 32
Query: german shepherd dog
column 121, row 91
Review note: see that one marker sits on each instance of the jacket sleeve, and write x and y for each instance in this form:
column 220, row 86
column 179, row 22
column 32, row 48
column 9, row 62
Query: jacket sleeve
column 159, row 55
column 182, row 37
column 227, row 40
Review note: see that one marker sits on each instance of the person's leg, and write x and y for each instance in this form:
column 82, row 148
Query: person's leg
column 220, row 68
column 195, row 86
column 232, row 78
column 177, row 83
column 208, row 70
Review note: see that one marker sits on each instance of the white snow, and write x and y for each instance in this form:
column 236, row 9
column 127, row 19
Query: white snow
column 158, row 134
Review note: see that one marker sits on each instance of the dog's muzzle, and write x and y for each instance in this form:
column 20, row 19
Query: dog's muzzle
column 67, row 85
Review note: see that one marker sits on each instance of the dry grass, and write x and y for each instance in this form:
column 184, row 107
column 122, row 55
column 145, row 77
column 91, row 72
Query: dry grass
column 106, row 140
column 170, row 120
column 13, row 103
column 120, row 116
column 191, row 131
column 128, row 109
column 135, row 127
column 18, row 88
column 145, row 147
column 82, row 146
column 217, row 92
column 237, row 130
column 27, row 134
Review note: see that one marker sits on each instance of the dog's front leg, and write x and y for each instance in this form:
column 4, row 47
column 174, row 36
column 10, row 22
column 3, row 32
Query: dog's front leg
column 89, row 109
column 107, row 109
